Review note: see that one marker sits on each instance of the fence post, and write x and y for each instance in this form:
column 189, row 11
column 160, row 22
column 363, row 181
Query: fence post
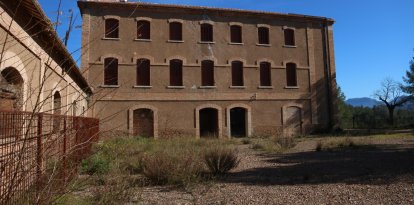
column 39, row 154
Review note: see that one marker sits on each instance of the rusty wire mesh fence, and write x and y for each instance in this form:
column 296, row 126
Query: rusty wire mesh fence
column 40, row 153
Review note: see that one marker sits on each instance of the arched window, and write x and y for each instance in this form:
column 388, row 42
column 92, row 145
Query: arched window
column 236, row 34
column 176, row 31
column 57, row 103
column 206, row 32
column 13, row 85
column 176, row 72
column 111, row 71
column 143, row 72
column 263, row 33
column 143, row 30
column 207, row 73
column 74, row 108
column 289, row 37
column 111, row 28
column 291, row 79
column 237, row 73
column 265, row 74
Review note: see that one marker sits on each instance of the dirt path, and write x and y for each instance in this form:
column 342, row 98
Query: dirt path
column 383, row 174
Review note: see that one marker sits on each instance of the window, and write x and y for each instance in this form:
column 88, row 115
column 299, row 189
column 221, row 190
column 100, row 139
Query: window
column 143, row 72
column 176, row 31
column 206, row 32
column 291, row 79
column 176, row 72
column 207, row 73
column 263, row 33
column 289, row 37
column 265, row 74
column 74, row 108
column 111, row 28
column 143, row 30
column 236, row 34
column 111, row 71
column 237, row 73
column 57, row 104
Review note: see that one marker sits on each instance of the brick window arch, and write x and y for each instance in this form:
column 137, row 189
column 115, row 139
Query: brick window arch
column 237, row 73
column 176, row 31
column 206, row 32
column 176, row 72
column 291, row 77
column 111, row 71
column 263, row 34
column 207, row 73
column 111, row 28
column 289, row 37
column 143, row 72
column 265, row 74
column 236, row 34
column 143, row 30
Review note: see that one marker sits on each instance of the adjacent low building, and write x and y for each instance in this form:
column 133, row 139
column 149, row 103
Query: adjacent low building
column 169, row 70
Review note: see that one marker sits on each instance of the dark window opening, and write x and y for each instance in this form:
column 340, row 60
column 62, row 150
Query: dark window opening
column 209, row 122
column 237, row 73
column 57, row 104
column 291, row 79
column 176, row 72
column 12, row 84
column 111, row 28
column 176, row 32
column 265, row 74
column 289, row 37
column 207, row 73
column 206, row 33
column 238, row 122
column 263, row 35
column 111, row 71
column 236, row 34
column 143, row 72
column 143, row 30
column 143, row 123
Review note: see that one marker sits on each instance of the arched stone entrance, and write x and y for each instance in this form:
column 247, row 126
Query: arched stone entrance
column 209, row 126
column 292, row 120
column 143, row 121
column 239, row 121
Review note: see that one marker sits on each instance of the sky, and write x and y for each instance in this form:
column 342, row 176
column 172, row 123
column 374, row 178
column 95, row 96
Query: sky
column 374, row 39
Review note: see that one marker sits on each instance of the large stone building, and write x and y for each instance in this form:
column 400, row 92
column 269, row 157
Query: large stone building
column 38, row 74
column 162, row 70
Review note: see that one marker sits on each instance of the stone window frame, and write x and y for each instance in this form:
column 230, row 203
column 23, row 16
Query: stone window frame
column 184, row 62
column 241, row 30
column 248, row 118
column 268, row 29
column 134, row 62
column 118, row 18
column 285, row 63
column 220, row 118
column 229, row 62
column 102, row 62
column 131, row 118
column 294, row 37
column 211, row 23
column 137, row 19
column 181, row 21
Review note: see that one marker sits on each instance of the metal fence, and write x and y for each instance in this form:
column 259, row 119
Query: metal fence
column 40, row 153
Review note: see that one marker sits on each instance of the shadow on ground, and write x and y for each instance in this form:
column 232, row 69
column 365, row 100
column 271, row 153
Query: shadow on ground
column 382, row 164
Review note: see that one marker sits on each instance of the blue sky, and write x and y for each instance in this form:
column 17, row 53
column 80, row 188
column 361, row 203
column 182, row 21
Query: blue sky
column 373, row 39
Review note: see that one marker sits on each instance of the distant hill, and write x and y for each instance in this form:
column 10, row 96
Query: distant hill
column 362, row 102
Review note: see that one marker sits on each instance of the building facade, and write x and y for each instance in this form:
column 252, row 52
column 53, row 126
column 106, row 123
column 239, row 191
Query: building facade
column 38, row 74
column 169, row 70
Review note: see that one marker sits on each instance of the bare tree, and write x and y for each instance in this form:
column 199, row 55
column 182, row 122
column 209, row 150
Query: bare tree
column 392, row 96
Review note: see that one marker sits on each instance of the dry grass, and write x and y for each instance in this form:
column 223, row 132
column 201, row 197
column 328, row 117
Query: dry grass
column 334, row 144
column 273, row 144
column 221, row 161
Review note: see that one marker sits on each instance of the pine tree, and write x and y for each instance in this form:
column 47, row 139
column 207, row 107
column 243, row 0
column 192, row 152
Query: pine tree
column 409, row 79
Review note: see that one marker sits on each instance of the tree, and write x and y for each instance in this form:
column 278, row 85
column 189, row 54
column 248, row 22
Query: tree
column 345, row 112
column 409, row 80
column 392, row 96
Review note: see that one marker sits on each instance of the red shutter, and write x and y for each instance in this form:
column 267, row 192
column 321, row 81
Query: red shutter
column 207, row 73
column 265, row 74
column 143, row 72
column 237, row 73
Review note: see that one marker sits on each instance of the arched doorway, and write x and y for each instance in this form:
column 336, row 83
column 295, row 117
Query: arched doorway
column 11, row 93
column 143, row 122
column 293, row 121
column 238, row 122
column 209, row 123
column 57, row 103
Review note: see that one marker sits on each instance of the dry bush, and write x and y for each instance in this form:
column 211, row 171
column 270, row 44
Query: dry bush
column 286, row 142
column 341, row 144
column 221, row 161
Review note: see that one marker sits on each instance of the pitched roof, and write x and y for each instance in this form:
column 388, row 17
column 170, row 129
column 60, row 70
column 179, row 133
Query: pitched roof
column 83, row 3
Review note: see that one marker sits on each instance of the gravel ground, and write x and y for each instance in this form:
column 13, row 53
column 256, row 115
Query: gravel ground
column 380, row 174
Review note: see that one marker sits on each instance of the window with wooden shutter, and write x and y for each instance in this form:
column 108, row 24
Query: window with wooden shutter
column 111, row 71
column 111, row 28
column 263, row 33
column 207, row 73
column 291, row 78
column 143, row 30
column 289, row 37
column 265, row 74
column 143, row 72
column 237, row 73
column 176, row 72
column 236, row 34
column 176, row 31
column 206, row 32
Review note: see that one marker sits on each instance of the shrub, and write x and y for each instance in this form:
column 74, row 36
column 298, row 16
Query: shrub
column 246, row 141
column 221, row 161
column 286, row 142
column 96, row 164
